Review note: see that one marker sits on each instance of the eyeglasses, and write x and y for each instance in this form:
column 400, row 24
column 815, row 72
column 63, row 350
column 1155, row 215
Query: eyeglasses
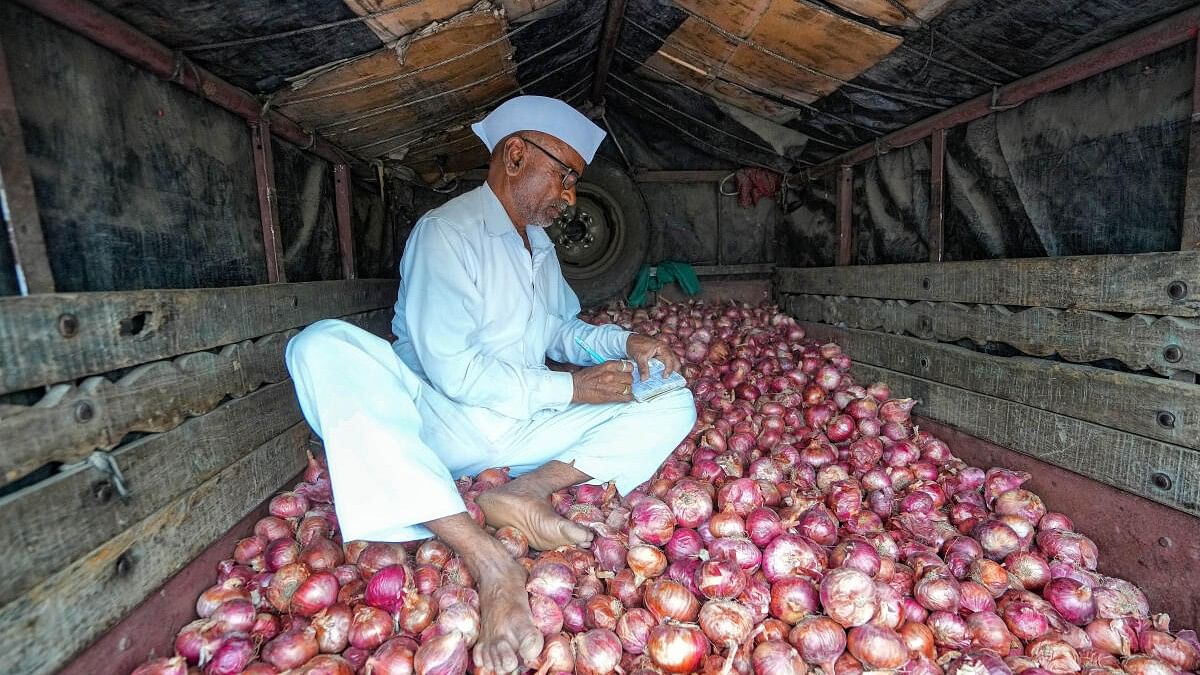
column 570, row 178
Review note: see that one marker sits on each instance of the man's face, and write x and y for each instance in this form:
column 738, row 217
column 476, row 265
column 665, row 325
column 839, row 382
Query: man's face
column 538, row 191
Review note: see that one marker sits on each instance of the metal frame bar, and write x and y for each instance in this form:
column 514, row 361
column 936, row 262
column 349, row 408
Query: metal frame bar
column 268, row 200
column 1154, row 38
column 937, row 196
column 18, row 203
column 613, row 20
column 345, row 228
column 120, row 37
column 845, row 216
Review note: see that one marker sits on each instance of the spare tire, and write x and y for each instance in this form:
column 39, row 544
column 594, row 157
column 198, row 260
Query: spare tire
column 602, row 240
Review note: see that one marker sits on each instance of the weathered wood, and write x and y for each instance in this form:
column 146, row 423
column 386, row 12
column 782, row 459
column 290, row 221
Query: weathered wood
column 1190, row 225
column 47, row 525
column 1147, row 283
column 268, row 200
column 718, row 270
column 53, row 338
column 54, row 620
column 937, row 195
column 1148, row 406
column 72, row 420
column 1162, row 344
column 1155, row 470
column 845, row 216
column 345, row 228
column 17, row 200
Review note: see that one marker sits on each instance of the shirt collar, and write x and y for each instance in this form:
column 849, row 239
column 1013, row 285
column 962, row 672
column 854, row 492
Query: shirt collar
column 497, row 223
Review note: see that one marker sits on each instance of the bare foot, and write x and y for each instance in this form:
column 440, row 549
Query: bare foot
column 532, row 514
column 507, row 637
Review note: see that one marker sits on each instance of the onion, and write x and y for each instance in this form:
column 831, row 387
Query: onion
column 937, row 591
column 792, row 555
column 918, row 638
column 288, row 505
column 1072, row 599
column 792, row 599
column 1177, row 651
column 385, row 589
column 690, row 503
column 652, row 521
column 676, row 648
column 1054, row 655
column 597, row 652
column 1147, row 665
column 726, row 623
column 1114, row 636
column 553, row 580
column 668, row 599
column 602, row 611
column 646, row 561
column 231, row 657
column 394, row 657
column 950, row 631
column 633, row 629
column 556, row 657
column 547, row 615
column 684, row 543
column 1028, row 568
column 291, row 649
column 172, row 666
column 848, row 596
column 417, row 613
column 442, row 655
column 626, row 588
column 272, row 528
column 573, row 615
column 332, row 626
column 370, row 627
column 377, row 555
column 774, row 657
column 721, row 579
column 988, row 631
column 236, row 615
column 284, row 584
column 876, row 647
column 431, row 552
column 314, row 594
column 820, row 641
column 513, row 540
column 1116, row 598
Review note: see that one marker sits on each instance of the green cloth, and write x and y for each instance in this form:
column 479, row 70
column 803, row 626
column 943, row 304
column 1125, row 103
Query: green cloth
column 666, row 273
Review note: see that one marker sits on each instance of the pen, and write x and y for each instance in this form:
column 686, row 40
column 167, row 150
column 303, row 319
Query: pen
column 595, row 357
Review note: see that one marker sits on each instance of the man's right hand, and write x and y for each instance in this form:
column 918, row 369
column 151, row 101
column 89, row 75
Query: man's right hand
column 609, row 382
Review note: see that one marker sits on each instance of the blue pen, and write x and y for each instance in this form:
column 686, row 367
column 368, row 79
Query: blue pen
column 595, row 357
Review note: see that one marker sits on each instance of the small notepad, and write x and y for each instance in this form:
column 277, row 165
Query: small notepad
column 655, row 385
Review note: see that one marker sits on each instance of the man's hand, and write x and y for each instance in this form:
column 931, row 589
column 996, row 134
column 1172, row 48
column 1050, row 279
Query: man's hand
column 641, row 348
column 609, row 382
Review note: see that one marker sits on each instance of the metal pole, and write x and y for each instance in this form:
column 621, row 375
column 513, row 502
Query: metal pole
column 268, row 206
column 937, row 195
column 613, row 18
column 845, row 254
column 345, row 230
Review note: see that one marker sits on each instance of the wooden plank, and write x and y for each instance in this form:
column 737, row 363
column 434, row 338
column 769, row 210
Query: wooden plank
column 345, row 227
column 845, row 216
column 1148, row 406
column 53, row 621
column 53, row 338
column 1146, row 283
column 18, row 203
column 1158, row 471
column 718, row 270
column 681, row 176
column 1162, row 344
column 937, row 196
column 51, row 523
column 72, row 420
column 268, row 200
column 1190, row 234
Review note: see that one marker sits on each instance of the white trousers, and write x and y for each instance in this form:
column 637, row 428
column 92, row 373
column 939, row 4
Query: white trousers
column 394, row 443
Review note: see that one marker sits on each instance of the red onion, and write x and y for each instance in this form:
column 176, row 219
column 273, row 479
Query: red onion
column 1054, row 655
column 231, row 657
column 777, row 658
column 848, row 596
column 975, row 597
column 676, row 648
column 950, row 631
column 877, row 648
column 314, row 594
column 918, row 638
column 386, row 590
column 856, row 554
column 626, row 588
column 394, row 657
column 763, row 525
column 1146, row 665
column 442, row 655
column 667, row 599
column 646, row 561
column 291, row 649
column 513, row 540
column 937, row 591
column 214, row 597
column 314, row 526
column 633, row 629
column 332, row 626
column 547, row 615
column 370, row 627
column 997, row 539
column 726, row 623
column 602, row 611
column 377, row 555
column 173, row 666
column 1055, row 521
column 597, row 652
column 792, row 555
column 1117, row 598
column 431, row 552
column 652, row 521
column 792, row 599
column 819, row 525
column 690, row 503
column 738, row 550
column 288, row 505
column 553, row 580
column 1181, row 651
column 820, row 641
column 236, row 615
column 742, row 495
column 1115, row 636
column 1072, row 599
column 417, row 613
column 284, row 584
column 272, row 528
column 1021, row 503
column 726, row 524
column 684, row 543
column 1029, row 568
column 988, row 631
column 265, row 627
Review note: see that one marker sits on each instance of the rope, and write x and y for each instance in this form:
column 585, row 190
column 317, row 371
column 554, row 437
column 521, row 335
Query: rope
column 953, row 43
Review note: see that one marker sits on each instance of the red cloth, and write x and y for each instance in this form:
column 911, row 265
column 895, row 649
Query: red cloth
column 754, row 183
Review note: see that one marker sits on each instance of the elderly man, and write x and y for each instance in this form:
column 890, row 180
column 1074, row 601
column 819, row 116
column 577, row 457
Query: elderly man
column 482, row 304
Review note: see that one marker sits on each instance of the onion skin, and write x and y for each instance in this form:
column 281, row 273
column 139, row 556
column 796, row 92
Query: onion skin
column 172, row 666
column 877, row 648
column 291, row 649
column 792, row 599
column 676, row 649
column 633, row 629
column 442, row 655
column 848, row 596
column 667, row 599
column 775, row 657
column 597, row 652
column 820, row 641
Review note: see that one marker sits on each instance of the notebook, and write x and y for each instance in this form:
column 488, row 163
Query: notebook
column 655, row 385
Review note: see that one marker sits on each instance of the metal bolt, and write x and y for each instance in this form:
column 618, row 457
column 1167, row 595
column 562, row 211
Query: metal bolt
column 84, row 411
column 926, row 324
column 925, row 362
column 1177, row 290
column 1161, row 480
column 124, row 564
column 1172, row 354
column 1165, row 542
column 926, row 283
column 1166, row 419
column 103, row 491
column 68, row 325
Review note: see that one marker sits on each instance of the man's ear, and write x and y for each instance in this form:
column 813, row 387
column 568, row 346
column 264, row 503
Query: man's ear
column 514, row 155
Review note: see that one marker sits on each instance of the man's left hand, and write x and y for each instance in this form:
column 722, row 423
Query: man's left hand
column 642, row 348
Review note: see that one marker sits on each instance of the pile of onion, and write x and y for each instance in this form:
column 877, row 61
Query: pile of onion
column 805, row 523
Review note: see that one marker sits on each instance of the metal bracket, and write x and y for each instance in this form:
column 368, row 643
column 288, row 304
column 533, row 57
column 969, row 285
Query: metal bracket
column 106, row 464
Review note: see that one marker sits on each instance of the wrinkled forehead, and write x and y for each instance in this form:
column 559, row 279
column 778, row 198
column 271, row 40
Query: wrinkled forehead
column 560, row 148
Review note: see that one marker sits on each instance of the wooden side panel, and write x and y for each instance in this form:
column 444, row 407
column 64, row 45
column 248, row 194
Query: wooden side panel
column 53, row 621
column 1162, row 344
column 53, row 338
column 50, row 524
column 1148, row 406
column 1158, row 471
column 1147, row 283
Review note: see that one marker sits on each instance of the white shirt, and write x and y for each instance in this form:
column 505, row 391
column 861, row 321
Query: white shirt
column 477, row 315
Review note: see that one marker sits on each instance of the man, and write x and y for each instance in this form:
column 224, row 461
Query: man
column 482, row 304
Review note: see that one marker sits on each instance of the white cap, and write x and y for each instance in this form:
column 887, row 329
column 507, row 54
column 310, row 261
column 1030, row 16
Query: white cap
column 539, row 113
